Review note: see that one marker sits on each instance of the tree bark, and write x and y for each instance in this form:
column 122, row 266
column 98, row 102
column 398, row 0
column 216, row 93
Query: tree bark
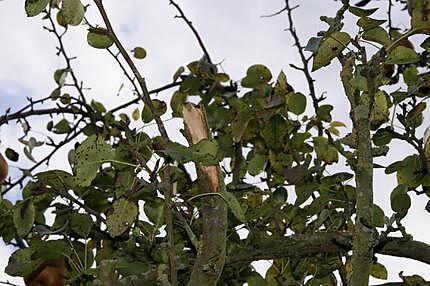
column 211, row 254
column 300, row 246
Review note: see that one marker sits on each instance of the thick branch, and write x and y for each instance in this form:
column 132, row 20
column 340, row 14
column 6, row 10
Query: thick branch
column 210, row 259
column 299, row 246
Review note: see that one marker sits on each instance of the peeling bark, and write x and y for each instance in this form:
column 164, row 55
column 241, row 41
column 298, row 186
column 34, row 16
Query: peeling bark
column 211, row 254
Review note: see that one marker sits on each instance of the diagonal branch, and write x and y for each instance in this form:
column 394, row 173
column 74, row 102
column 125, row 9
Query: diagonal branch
column 142, row 83
column 190, row 25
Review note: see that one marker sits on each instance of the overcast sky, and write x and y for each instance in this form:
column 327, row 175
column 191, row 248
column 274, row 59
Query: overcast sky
column 234, row 34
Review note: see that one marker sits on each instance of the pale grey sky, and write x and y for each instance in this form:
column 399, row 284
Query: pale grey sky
column 234, row 34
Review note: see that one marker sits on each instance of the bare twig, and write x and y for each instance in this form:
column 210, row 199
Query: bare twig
column 190, row 25
column 154, row 91
column 8, row 283
column 49, row 111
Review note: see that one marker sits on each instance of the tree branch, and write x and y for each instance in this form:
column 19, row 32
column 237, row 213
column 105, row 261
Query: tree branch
column 190, row 25
column 299, row 246
column 142, row 83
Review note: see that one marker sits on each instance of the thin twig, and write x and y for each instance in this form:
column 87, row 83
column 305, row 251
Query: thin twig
column 68, row 59
column 49, row 111
column 142, row 83
column 154, row 91
column 190, row 25
column 8, row 283
column 274, row 14
column 305, row 61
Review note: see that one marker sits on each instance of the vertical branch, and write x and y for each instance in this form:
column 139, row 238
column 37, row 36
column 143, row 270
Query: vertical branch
column 211, row 254
column 363, row 241
column 170, row 236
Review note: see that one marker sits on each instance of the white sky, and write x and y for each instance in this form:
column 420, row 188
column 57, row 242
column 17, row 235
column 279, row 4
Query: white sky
column 233, row 32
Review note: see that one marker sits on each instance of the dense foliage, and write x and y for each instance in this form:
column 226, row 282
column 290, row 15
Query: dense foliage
column 130, row 211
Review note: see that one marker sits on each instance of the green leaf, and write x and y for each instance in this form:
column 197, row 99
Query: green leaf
column 280, row 195
column 240, row 123
column 62, row 127
column 89, row 156
column 400, row 200
column 416, row 111
column 382, row 137
column 368, row 23
column 256, row 75
column 402, row 55
column 123, row 215
column 420, row 13
column 274, row 131
column 255, row 279
column 206, row 151
column 377, row 35
column 99, row 38
column 296, row 102
column 257, row 164
column 379, row 271
column 60, row 76
column 378, row 216
column 81, row 224
column 154, row 210
column 410, row 76
column 380, row 112
column 147, row 115
column 160, row 107
column 11, row 155
column 325, row 151
column 361, row 12
column 233, row 204
column 128, row 268
column 178, row 99
column 73, row 12
column 323, row 112
column 410, row 171
column 177, row 73
column 21, row 263
column 139, row 53
column 98, row 106
column 330, row 48
column 23, row 217
column 426, row 44
column 35, row 7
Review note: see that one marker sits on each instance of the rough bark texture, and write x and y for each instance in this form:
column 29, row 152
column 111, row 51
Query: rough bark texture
column 363, row 241
column 211, row 254
column 299, row 246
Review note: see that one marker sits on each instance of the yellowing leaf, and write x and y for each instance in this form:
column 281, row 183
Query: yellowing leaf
column 139, row 53
column 135, row 114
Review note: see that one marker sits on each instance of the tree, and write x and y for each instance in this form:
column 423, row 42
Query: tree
column 186, row 233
